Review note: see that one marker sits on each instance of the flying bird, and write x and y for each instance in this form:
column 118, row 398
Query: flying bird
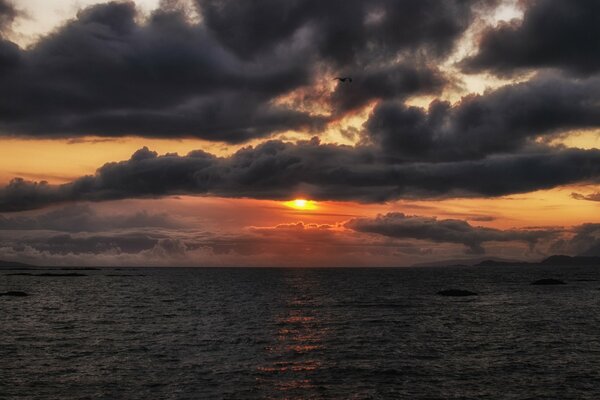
column 343, row 79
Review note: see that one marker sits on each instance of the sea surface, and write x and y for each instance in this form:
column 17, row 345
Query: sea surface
column 152, row 333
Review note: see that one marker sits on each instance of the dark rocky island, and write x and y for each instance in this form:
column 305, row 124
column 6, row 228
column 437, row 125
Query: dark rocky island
column 48, row 274
column 14, row 264
column 14, row 293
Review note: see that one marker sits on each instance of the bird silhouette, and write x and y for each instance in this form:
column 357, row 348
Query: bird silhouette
column 343, row 79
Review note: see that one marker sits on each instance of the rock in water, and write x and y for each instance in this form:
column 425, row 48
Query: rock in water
column 48, row 274
column 456, row 293
column 14, row 294
column 548, row 281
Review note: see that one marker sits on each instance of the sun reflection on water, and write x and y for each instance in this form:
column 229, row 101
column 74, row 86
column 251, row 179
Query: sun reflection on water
column 295, row 357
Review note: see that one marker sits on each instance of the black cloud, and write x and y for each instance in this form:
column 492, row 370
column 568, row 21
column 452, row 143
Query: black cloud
column 9, row 52
column 279, row 170
column 391, row 82
column 553, row 33
column 398, row 225
column 105, row 74
column 344, row 32
column 8, row 13
column 501, row 121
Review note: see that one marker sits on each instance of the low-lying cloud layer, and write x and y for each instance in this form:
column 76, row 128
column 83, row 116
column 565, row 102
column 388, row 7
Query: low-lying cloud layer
column 85, row 235
column 401, row 226
column 84, row 218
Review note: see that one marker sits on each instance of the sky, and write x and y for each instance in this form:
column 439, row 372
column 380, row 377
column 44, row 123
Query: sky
column 214, row 132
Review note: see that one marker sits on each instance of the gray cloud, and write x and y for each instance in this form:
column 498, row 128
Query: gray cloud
column 390, row 82
column 343, row 32
column 399, row 225
column 584, row 242
column 553, row 33
column 105, row 74
column 8, row 13
column 589, row 197
column 193, row 246
column 500, row 121
column 92, row 244
column 83, row 218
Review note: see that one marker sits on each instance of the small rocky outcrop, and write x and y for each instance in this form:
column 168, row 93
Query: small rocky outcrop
column 548, row 281
column 14, row 293
column 48, row 274
column 456, row 293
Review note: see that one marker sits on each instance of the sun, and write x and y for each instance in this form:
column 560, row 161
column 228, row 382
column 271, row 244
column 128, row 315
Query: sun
column 301, row 204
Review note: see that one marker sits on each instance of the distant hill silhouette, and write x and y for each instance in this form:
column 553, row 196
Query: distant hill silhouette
column 14, row 264
column 463, row 262
column 568, row 260
column 499, row 262
column 552, row 260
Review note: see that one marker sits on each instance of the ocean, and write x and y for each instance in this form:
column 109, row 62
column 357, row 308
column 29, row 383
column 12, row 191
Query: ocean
column 183, row 333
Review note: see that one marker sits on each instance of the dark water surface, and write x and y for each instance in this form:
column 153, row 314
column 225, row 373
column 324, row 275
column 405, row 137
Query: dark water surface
column 301, row 334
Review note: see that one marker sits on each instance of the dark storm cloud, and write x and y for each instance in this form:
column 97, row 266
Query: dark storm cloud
column 105, row 74
column 343, row 32
column 398, row 225
column 496, row 122
column 590, row 197
column 553, row 33
column 9, row 52
column 392, row 82
column 279, row 170
column 8, row 13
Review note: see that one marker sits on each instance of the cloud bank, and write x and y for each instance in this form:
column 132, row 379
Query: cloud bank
column 105, row 73
column 399, row 225
column 279, row 170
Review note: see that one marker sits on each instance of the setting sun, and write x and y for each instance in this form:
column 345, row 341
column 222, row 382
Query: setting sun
column 301, row 204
